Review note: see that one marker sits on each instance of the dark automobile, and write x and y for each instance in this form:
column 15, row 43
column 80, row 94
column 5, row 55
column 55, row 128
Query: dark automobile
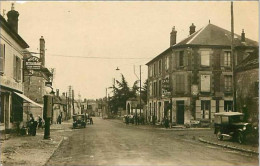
column 79, row 121
column 231, row 124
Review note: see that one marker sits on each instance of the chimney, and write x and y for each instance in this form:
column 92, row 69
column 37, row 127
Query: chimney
column 173, row 36
column 57, row 92
column 192, row 29
column 42, row 51
column 12, row 18
column 243, row 36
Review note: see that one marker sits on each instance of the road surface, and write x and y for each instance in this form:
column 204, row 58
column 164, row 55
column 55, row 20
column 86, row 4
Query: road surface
column 110, row 142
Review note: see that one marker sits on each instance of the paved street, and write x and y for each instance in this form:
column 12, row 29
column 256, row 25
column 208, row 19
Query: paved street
column 108, row 142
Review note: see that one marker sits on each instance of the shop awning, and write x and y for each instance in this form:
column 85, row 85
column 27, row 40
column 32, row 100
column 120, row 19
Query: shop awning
column 28, row 100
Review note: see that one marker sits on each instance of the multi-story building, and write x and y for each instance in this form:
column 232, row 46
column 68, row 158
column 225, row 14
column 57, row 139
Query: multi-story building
column 192, row 79
column 11, row 67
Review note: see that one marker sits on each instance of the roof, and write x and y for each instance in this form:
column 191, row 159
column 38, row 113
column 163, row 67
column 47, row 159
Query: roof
column 4, row 24
column 250, row 62
column 229, row 113
column 210, row 35
column 56, row 100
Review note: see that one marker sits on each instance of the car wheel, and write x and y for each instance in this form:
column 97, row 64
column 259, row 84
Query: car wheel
column 240, row 138
column 219, row 135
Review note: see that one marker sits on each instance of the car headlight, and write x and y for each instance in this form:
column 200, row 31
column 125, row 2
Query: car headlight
column 244, row 128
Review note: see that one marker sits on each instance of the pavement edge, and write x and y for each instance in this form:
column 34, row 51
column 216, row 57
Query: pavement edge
column 228, row 146
column 53, row 151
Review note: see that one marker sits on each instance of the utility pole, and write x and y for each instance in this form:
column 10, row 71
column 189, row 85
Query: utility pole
column 233, row 58
column 140, row 89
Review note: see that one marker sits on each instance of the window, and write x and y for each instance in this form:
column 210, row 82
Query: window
column 160, row 66
column 228, row 106
column 17, row 68
column 181, row 58
column 154, row 69
column 160, row 88
column 205, row 58
column 2, row 58
column 150, row 71
column 205, row 83
column 180, row 83
column 151, row 90
column 227, row 58
column 167, row 63
column 228, row 83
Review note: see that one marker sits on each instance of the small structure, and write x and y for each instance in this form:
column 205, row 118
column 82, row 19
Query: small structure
column 133, row 106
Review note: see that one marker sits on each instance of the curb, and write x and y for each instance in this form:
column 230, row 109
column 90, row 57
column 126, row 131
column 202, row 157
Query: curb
column 229, row 147
column 53, row 151
column 162, row 128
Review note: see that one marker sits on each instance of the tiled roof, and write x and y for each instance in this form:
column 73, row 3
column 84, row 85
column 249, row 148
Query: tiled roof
column 214, row 35
column 210, row 35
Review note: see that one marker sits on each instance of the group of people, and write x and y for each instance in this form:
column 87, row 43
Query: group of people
column 137, row 119
column 34, row 124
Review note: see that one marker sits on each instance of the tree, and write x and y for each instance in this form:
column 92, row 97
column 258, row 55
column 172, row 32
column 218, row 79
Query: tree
column 122, row 93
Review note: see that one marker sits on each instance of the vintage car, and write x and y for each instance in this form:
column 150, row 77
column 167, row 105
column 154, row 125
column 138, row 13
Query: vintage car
column 231, row 124
column 79, row 121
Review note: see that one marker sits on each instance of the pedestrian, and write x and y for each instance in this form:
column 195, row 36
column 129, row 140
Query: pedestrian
column 32, row 125
column 91, row 120
column 166, row 122
column 40, row 122
column 126, row 120
column 59, row 119
column 153, row 120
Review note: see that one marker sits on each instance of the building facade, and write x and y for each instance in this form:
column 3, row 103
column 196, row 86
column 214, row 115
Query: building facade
column 11, row 67
column 192, row 79
column 35, row 77
column 247, row 85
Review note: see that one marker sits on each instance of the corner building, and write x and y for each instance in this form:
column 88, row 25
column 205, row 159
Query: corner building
column 192, row 79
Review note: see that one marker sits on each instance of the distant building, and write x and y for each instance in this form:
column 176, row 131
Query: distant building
column 12, row 47
column 192, row 79
column 247, row 85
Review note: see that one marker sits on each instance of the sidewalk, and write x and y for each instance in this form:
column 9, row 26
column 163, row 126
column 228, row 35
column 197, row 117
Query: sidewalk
column 32, row 150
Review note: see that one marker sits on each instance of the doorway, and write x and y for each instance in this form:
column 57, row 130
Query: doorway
column 180, row 112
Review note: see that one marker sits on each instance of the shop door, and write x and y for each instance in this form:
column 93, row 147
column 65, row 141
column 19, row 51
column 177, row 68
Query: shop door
column 205, row 109
column 180, row 112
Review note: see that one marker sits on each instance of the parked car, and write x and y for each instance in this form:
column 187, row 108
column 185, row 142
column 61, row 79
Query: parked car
column 231, row 124
column 79, row 121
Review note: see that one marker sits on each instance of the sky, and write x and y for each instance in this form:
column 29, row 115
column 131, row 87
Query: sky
column 123, row 34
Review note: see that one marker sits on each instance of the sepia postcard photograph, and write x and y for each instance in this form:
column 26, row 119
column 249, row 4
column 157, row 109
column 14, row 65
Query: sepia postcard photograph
column 129, row 83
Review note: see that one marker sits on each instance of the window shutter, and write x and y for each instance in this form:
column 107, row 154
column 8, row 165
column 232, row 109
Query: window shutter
column 177, row 59
column 14, row 68
column 174, row 83
column 221, row 105
column 198, row 109
column 173, row 60
column 231, row 59
column 2, row 57
column 222, row 59
column 19, row 67
column 222, row 83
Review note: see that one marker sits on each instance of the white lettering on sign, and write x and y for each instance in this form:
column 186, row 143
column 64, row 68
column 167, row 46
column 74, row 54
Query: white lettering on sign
column 34, row 63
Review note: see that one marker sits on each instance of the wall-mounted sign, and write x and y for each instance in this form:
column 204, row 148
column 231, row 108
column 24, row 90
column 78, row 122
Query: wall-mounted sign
column 33, row 63
column 10, row 83
column 48, row 84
